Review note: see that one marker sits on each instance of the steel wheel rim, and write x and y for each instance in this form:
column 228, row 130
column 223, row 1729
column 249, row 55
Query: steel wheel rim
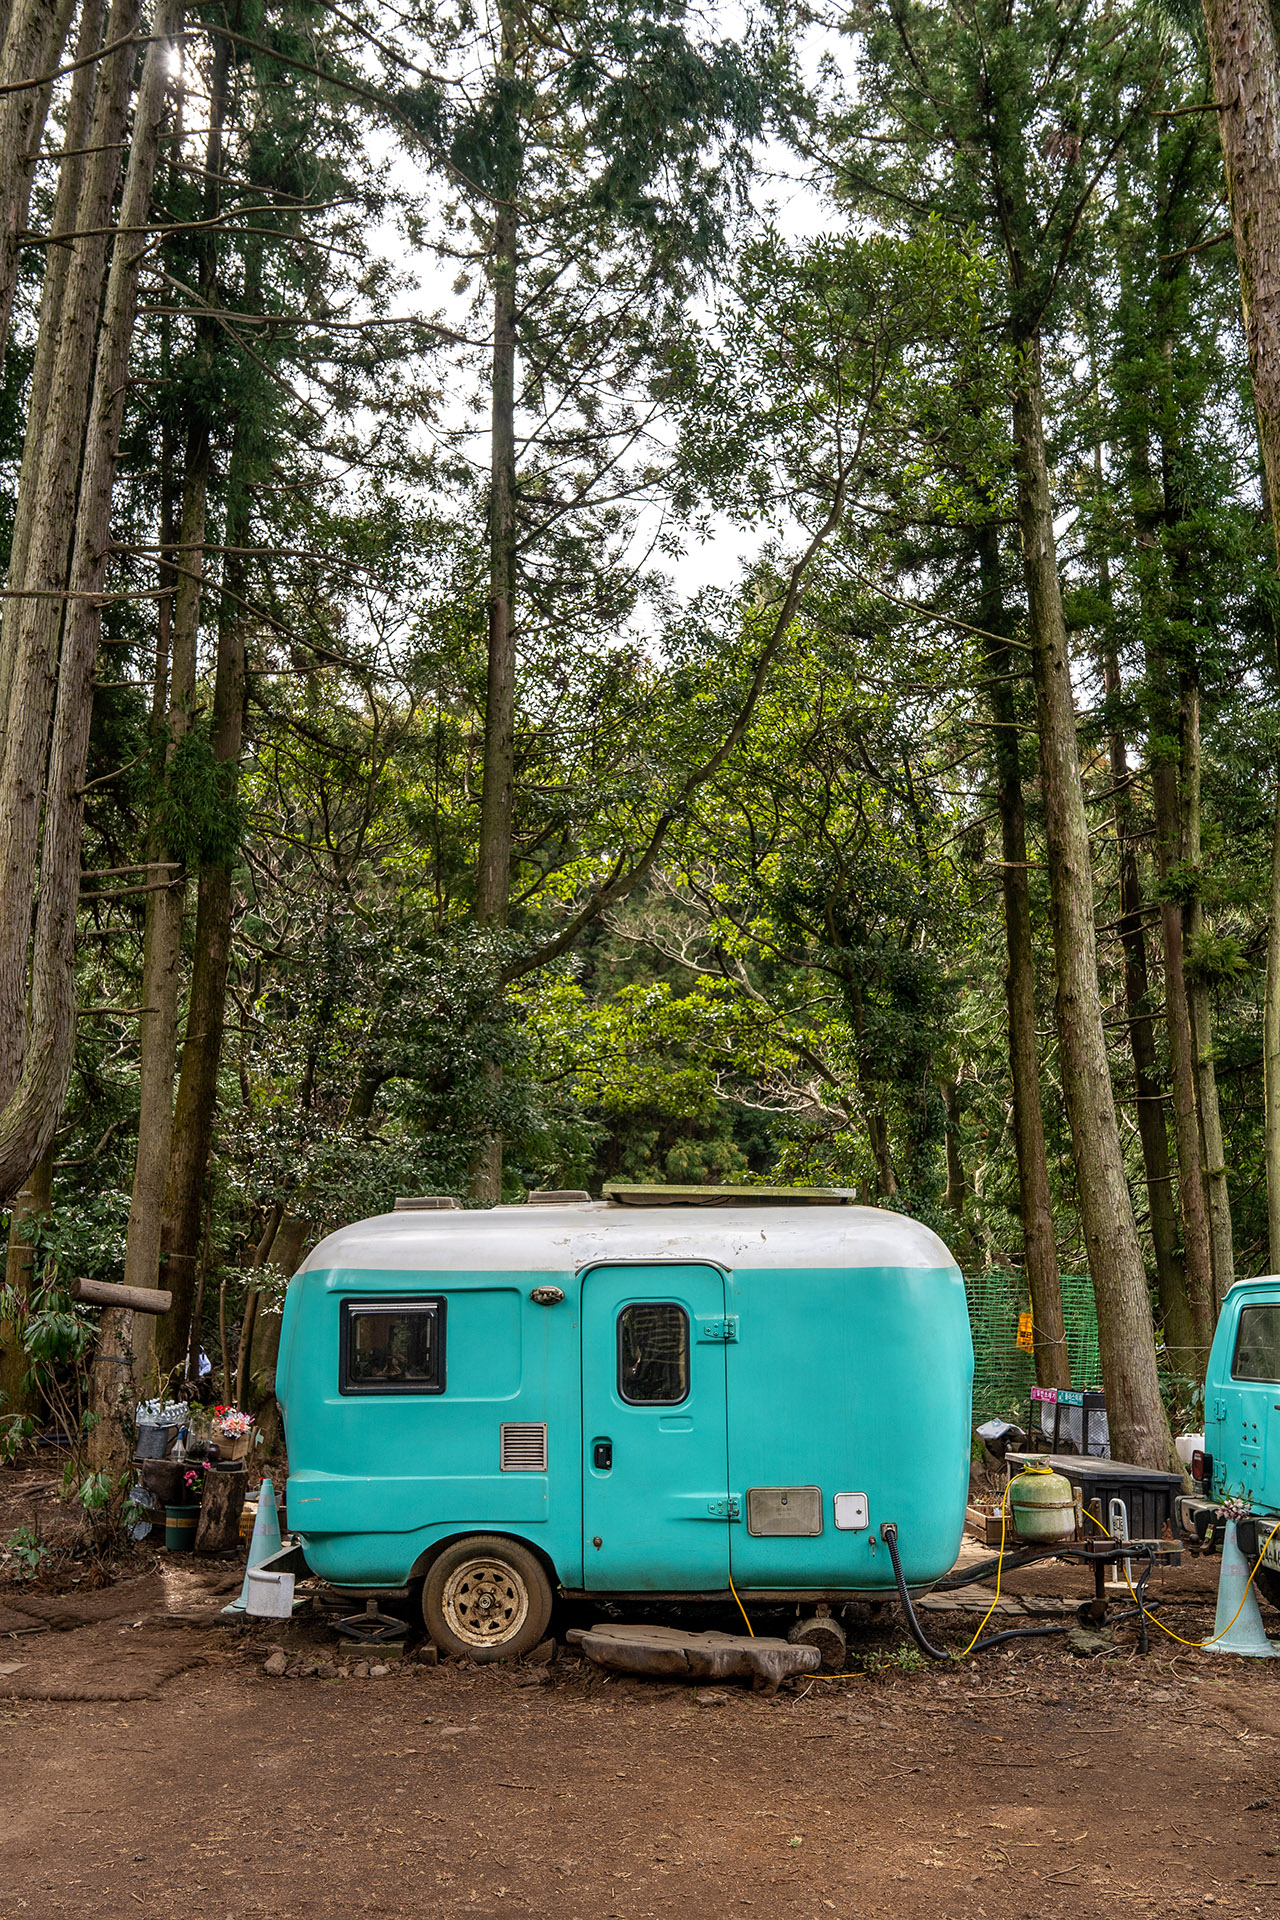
column 485, row 1602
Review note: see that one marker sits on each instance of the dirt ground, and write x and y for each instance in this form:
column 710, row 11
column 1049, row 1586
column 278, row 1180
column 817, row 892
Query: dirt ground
column 1027, row 1785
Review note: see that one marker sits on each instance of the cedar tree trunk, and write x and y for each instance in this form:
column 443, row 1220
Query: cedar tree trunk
column 1040, row 1253
column 1126, row 1338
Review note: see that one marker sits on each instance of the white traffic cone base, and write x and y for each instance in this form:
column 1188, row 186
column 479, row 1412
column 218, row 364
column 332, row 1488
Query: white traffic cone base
column 1239, row 1625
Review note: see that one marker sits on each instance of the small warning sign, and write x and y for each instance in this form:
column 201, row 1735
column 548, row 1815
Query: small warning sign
column 1026, row 1334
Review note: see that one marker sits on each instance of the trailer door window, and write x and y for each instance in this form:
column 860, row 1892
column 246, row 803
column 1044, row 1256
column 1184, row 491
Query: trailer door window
column 653, row 1353
column 392, row 1346
column 1257, row 1354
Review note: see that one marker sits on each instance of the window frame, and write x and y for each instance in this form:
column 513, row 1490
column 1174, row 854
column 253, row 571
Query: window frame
column 389, row 1304
column 683, row 1311
column 1252, row 1379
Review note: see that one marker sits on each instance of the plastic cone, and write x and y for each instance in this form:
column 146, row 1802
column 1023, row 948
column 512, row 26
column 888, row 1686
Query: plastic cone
column 1240, row 1626
column 266, row 1541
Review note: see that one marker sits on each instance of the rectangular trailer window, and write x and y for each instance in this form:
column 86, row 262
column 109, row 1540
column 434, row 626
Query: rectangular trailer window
column 392, row 1346
column 653, row 1353
column 1257, row 1355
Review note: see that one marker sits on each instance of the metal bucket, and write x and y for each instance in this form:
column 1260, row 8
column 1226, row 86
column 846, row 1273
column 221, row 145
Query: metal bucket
column 153, row 1443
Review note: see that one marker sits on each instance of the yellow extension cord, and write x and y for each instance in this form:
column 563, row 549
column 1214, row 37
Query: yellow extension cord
column 1160, row 1623
column 1142, row 1608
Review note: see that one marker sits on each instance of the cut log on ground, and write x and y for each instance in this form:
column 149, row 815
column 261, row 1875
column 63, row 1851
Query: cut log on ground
column 667, row 1654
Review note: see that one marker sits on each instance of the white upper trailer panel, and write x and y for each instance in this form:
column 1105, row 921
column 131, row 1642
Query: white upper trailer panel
column 562, row 1239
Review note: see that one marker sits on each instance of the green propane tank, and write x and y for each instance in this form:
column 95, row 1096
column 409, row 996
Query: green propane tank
column 1043, row 1506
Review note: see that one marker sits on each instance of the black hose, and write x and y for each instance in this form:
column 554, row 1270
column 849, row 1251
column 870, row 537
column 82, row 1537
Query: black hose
column 889, row 1534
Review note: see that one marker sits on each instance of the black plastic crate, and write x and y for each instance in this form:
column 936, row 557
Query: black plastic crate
column 1148, row 1495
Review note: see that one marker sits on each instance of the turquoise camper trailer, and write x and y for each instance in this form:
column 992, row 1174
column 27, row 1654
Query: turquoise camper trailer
column 627, row 1397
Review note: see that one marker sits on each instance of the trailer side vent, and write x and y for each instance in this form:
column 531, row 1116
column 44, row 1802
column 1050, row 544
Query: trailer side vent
column 524, row 1447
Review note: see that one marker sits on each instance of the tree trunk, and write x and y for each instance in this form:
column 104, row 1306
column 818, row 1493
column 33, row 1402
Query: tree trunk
column 197, row 1099
column 1271, row 1050
column 493, row 868
column 954, row 1197
column 1148, row 1091
column 1245, row 61
column 53, row 289
column 1040, row 1253
column 162, row 941
column 1126, row 1338
column 35, row 36
column 1199, row 1007
column 33, row 632
column 113, row 1395
column 28, row 1120
column 34, row 1199
column 497, row 797
column 1198, row 1259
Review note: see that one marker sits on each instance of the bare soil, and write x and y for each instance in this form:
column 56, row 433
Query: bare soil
column 1025, row 1784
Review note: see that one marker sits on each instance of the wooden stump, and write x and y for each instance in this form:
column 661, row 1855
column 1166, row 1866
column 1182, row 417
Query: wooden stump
column 218, row 1529
column 668, row 1653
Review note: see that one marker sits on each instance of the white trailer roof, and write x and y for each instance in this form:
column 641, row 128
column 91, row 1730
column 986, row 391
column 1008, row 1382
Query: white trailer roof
column 560, row 1239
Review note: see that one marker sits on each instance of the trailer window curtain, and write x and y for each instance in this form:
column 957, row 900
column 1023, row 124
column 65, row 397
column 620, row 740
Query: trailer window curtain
column 653, row 1353
column 392, row 1346
column 1257, row 1355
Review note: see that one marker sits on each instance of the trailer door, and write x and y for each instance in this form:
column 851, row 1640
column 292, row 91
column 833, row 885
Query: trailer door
column 655, row 1490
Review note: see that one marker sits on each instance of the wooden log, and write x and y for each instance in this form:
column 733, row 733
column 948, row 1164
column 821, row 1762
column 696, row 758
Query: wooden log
column 218, row 1528
column 105, row 1293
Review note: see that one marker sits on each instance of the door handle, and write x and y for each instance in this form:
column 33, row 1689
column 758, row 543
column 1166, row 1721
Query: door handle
column 602, row 1455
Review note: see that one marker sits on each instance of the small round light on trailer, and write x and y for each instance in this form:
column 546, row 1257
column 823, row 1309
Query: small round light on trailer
column 547, row 1296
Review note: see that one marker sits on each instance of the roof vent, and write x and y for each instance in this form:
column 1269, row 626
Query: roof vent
column 427, row 1203
column 558, row 1197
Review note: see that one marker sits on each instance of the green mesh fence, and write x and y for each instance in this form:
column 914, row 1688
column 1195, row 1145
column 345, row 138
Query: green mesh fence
column 1002, row 1375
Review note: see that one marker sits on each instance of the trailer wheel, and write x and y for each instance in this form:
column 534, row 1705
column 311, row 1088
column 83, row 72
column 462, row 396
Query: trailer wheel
column 487, row 1597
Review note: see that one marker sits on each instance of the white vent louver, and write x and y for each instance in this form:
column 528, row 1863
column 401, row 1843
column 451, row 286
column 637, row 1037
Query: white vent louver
column 524, row 1447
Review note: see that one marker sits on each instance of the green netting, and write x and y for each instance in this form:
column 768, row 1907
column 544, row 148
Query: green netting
column 1003, row 1376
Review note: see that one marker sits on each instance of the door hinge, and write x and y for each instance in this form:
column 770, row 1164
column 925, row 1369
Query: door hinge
column 1219, row 1410
column 725, row 1328
column 724, row 1509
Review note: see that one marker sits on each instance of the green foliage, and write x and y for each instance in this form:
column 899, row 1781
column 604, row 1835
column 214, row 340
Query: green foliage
column 196, row 807
column 26, row 1552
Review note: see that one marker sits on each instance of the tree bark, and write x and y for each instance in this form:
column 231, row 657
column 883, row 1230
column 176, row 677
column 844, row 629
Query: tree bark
column 162, row 939
column 30, row 1116
column 493, row 869
column 1148, row 1089
column 1040, row 1253
column 34, row 1199
column 33, row 635
column 1245, row 61
column 497, row 795
column 53, row 289
column 1199, row 1007
column 1197, row 1255
column 1271, row 1051
column 197, row 1098
column 35, row 36
column 1126, row 1338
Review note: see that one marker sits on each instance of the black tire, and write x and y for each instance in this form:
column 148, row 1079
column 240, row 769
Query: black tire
column 486, row 1597
column 1267, row 1581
